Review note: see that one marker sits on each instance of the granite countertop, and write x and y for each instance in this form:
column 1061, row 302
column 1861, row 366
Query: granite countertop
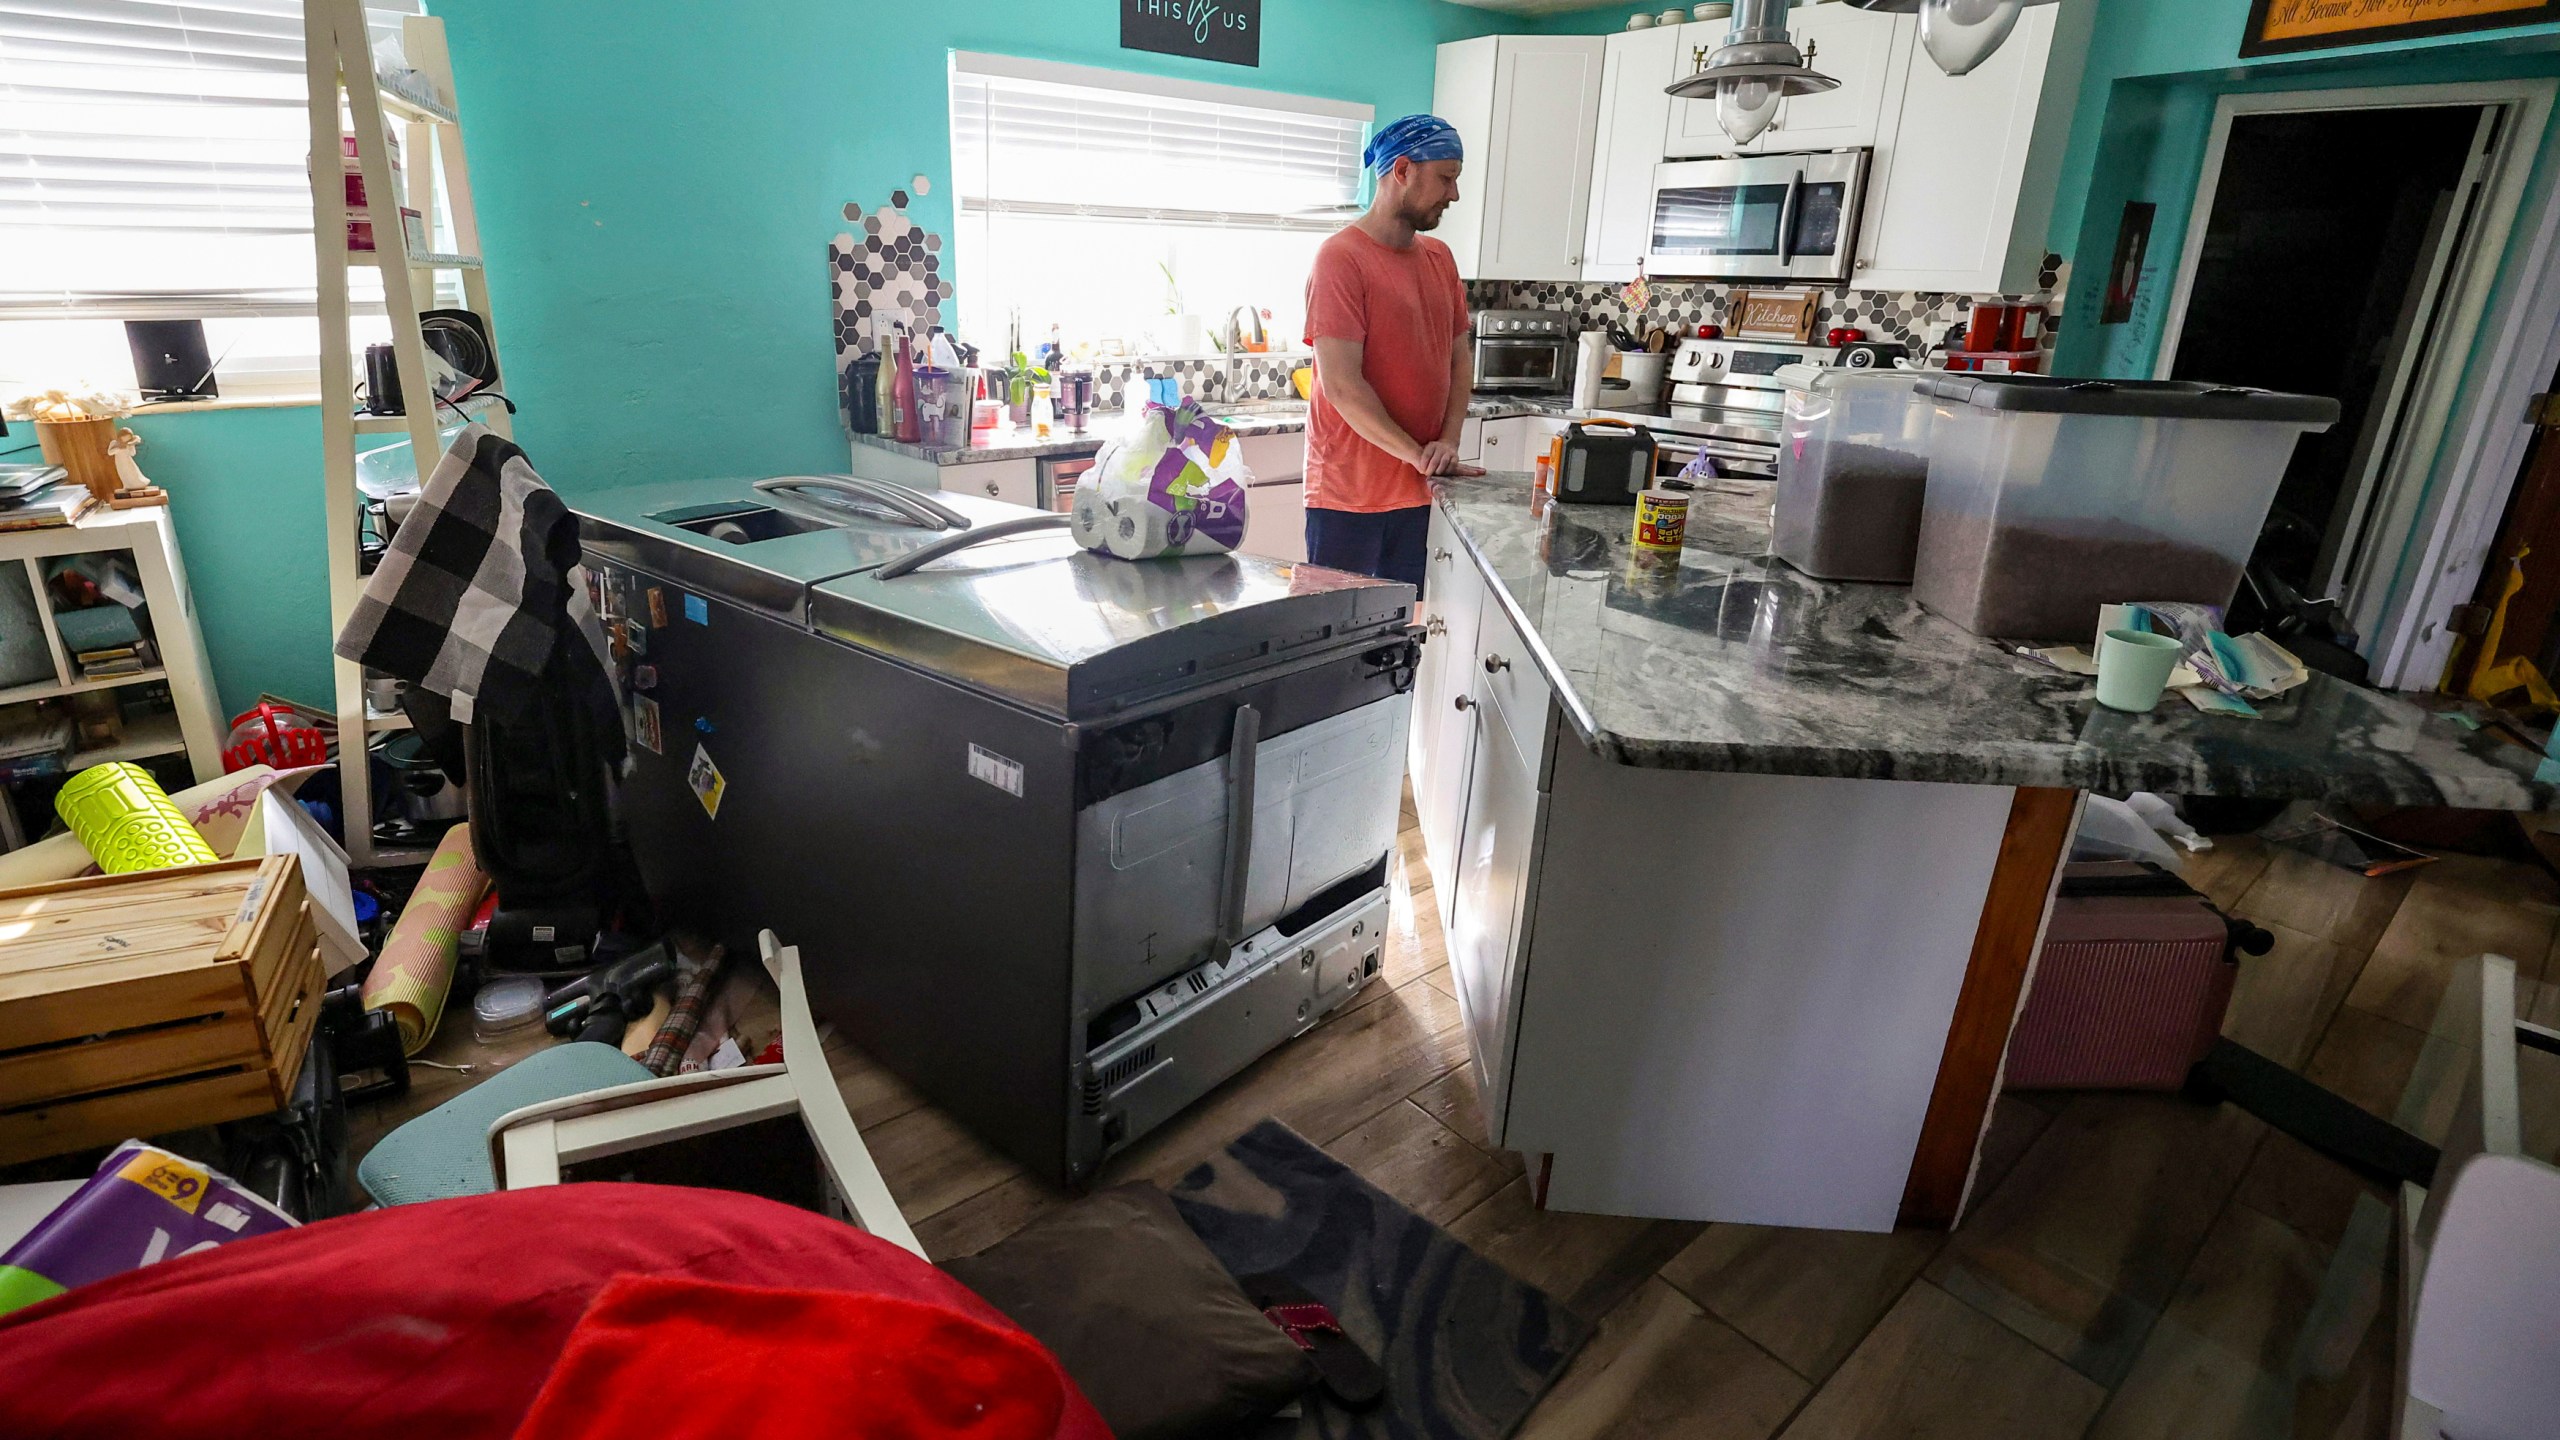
column 1735, row 661
column 1007, row 443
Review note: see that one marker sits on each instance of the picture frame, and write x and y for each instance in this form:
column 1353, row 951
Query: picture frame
column 2283, row 27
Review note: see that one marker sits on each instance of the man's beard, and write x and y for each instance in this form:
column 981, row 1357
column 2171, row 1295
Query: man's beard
column 1426, row 218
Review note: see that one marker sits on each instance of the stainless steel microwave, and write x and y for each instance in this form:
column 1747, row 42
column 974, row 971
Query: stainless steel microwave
column 1758, row 217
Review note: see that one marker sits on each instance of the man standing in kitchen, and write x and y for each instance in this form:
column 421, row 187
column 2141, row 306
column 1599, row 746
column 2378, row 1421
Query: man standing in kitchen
column 1387, row 316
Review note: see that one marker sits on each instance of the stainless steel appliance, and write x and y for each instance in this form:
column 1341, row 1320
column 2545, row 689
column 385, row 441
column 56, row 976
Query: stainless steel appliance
column 1726, row 401
column 1059, row 476
column 1524, row 352
column 1067, row 840
column 1758, row 217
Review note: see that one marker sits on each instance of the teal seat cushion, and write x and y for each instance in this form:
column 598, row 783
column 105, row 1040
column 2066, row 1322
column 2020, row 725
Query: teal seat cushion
column 445, row 1152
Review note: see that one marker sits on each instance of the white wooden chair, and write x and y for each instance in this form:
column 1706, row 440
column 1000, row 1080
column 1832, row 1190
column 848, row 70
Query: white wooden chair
column 2480, row 1248
column 537, row 1144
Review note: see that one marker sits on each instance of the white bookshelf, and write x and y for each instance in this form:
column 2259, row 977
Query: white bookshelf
column 148, row 535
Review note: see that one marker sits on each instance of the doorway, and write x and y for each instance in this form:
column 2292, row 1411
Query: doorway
column 2343, row 244
column 2322, row 273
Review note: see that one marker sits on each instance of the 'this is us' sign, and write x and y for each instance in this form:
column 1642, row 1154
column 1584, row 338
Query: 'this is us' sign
column 1224, row 30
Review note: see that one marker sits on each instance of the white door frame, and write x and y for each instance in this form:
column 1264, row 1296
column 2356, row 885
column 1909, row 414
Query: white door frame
column 2474, row 437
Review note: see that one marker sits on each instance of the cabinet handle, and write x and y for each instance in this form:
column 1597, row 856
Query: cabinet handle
column 991, row 487
column 1439, row 554
column 1435, row 626
column 1495, row 664
column 1465, row 704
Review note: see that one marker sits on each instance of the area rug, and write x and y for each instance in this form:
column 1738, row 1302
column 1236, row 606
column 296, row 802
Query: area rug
column 1467, row 1349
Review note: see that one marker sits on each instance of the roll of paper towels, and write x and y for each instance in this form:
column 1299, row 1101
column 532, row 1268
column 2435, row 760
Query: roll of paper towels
column 1590, row 367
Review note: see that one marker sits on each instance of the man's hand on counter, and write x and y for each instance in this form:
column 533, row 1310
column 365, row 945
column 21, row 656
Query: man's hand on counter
column 1439, row 457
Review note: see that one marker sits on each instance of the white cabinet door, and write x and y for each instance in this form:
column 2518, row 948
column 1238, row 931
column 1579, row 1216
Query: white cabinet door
column 1964, row 176
column 1443, row 732
column 1858, row 48
column 1496, row 848
column 1693, row 133
column 1634, row 114
column 1527, row 107
column 1280, row 456
column 1275, row 521
column 1471, row 440
column 1015, row 482
column 1506, row 444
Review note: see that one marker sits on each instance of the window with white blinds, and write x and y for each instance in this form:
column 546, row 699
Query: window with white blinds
column 1135, row 212
column 152, row 158
column 1051, row 139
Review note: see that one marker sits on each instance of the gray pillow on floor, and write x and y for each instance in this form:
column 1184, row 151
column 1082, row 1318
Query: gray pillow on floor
column 1144, row 1319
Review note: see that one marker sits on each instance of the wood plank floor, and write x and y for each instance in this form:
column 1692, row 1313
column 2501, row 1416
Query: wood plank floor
column 2135, row 1266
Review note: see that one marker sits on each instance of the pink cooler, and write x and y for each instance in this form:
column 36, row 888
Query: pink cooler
column 2130, row 988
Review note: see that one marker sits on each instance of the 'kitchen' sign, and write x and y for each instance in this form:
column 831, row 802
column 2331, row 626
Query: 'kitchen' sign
column 1223, row 30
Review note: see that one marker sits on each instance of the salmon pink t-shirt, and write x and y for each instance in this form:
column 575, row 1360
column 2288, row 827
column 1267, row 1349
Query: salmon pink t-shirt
column 1407, row 309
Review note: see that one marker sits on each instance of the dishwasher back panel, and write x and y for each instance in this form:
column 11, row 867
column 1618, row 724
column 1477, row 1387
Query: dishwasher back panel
column 913, row 839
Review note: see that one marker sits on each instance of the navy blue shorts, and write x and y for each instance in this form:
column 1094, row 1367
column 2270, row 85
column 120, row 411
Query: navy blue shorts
column 1389, row 544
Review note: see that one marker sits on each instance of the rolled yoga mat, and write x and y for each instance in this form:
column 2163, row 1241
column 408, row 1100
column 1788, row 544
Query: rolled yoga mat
column 128, row 822
column 416, row 969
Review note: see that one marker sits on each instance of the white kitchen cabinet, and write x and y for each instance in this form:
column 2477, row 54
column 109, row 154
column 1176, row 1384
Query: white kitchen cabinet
column 1527, row 107
column 1275, row 516
column 1635, row 113
column 1471, row 440
column 1859, row 48
column 1015, row 482
column 1488, row 933
column 1962, row 188
column 1515, row 442
column 1443, row 734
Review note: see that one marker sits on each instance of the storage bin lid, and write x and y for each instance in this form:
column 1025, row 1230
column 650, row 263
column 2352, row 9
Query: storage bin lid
column 2146, row 399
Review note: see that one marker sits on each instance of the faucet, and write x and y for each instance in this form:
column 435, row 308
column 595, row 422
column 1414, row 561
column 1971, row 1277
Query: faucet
column 1234, row 345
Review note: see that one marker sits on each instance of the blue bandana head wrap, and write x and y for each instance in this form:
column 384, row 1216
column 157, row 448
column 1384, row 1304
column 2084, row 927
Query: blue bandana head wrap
column 1418, row 138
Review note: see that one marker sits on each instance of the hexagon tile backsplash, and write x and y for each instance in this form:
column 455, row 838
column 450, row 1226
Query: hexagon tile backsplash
column 1916, row 320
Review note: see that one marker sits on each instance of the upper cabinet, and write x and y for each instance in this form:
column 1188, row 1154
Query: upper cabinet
column 1634, row 110
column 1528, row 108
column 1863, row 50
column 1965, row 167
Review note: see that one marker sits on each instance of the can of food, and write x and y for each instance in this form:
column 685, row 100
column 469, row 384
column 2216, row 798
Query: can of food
column 1662, row 520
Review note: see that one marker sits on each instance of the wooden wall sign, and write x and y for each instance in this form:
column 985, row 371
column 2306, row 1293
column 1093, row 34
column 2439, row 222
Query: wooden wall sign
column 2278, row 26
column 1775, row 315
column 1227, row 31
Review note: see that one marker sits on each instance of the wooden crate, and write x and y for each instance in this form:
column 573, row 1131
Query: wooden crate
column 138, row 1004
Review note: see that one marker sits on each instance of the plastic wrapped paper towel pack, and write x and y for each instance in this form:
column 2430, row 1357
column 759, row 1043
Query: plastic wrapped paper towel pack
column 1173, row 486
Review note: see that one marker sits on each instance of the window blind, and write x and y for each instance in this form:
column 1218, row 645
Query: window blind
column 1029, row 138
column 152, row 158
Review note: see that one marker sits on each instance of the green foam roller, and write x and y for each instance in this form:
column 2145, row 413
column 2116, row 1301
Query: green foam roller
column 128, row 822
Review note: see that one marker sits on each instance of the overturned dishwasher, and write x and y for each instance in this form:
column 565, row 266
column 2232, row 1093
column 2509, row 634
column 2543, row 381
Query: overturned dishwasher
column 1065, row 841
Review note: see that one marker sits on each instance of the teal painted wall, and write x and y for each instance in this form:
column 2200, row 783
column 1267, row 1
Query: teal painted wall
column 244, row 487
column 660, row 179
column 658, row 182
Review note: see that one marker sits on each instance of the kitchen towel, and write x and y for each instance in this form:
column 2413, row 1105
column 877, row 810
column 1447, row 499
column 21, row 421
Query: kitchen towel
column 481, row 592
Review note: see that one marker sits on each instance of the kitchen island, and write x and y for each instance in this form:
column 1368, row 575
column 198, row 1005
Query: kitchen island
column 1743, row 873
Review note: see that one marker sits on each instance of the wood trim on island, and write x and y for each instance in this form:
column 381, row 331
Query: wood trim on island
column 1995, row 983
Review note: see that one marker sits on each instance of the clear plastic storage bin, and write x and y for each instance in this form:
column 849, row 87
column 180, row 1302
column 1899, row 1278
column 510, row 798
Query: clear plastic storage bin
column 2049, row 498
column 1852, row 471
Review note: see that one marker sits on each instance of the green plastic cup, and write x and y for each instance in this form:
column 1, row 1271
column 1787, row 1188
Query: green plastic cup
column 2133, row 669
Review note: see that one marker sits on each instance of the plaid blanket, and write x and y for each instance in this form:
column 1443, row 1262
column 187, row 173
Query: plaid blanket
column 481, row 590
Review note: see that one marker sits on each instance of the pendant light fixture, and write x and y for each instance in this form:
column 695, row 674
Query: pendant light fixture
column 1757, row 66
column 1958, row 34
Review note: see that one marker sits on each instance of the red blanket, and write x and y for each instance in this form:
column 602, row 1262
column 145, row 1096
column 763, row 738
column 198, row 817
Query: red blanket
column 443, row 1321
